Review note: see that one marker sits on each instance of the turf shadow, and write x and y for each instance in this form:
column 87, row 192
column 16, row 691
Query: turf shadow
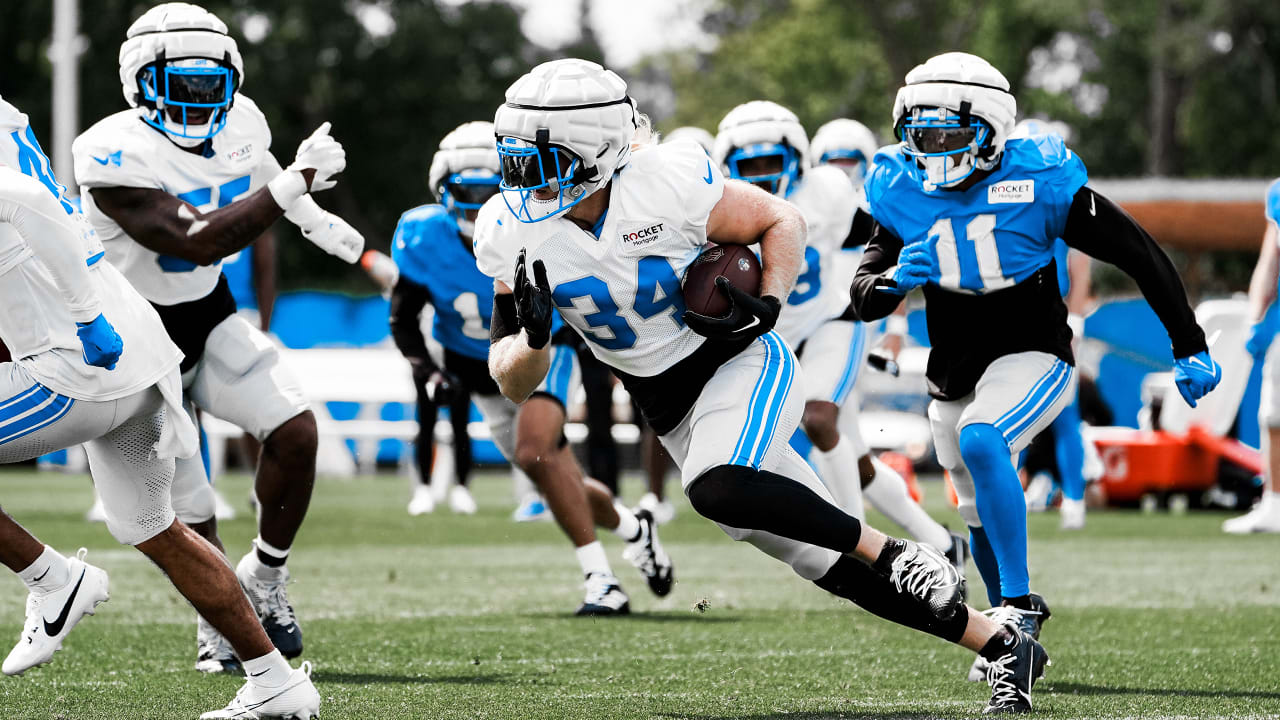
column 639, row 617
column 350, row 678
column 1063, row 688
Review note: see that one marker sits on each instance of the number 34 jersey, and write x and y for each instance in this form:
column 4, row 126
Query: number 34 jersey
column 620, row 287
column 122, row 151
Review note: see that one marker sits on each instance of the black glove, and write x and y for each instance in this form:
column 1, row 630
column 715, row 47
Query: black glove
column 748, row 316
column 533, row 302
column 442, row 387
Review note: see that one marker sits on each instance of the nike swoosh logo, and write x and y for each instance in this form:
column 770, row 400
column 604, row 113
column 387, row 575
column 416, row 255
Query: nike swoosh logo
column 754, row 322
column 53, row 628
column 264, row 672
column 708, row 179
column 101, row 161
column 1092, row 209
column 1193, row 360
column 46, row 572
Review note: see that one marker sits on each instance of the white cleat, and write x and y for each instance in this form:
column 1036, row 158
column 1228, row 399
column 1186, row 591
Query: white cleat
column 1038, row 491
column 213, row 653
column 662, row 511
column 222, row 509
column 51, row 616
column 1071, row 514
column 96, row 512
column 1263, row 518
column 460, row 501
column 297, row 699
column 604, row 597
column 422, row 503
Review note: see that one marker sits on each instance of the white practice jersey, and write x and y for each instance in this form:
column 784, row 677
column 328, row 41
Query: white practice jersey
column 828, row 202
column 51, row 277
column 123, row 151
column 620, row 291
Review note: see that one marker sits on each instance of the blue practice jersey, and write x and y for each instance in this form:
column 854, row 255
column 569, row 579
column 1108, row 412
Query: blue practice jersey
column 1060, row 252
column 430, row 251
column 993, row 235
column 238, row 268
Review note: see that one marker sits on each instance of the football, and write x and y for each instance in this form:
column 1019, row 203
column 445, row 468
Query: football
column 735, row 262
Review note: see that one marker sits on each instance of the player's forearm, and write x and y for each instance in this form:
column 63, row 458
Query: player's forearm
column 869, row 302
column 782, row 253
column 1098, row 227
column 407, row 301
column 1262, row 286
column 517, row 368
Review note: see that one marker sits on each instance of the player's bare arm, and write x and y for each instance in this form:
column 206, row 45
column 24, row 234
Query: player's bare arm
column 169, row 226
column 514, row 364
column 1266, row 274
column 746, row 215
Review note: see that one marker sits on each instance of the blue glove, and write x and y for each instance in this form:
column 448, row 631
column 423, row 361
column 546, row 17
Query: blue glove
column 915, row 266
column 1195, row 376
column 102, row 344
column 1260, row 337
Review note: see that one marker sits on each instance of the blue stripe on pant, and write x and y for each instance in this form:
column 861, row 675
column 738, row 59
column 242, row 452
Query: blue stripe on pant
column 1037, row 402
column 853, row 364
column 30, row 411
column 766, row 404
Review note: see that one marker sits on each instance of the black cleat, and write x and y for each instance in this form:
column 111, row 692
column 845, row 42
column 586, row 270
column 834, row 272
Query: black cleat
column 604, row 597
column 958, row 554
column 923, row 573
column 270, row 600
column 1028, row 621
column 650, row 559
column 1012, row 676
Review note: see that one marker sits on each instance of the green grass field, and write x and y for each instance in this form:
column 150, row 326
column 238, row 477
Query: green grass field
column 444, row 617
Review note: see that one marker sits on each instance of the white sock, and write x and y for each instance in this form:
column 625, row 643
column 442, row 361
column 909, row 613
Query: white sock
column 270, row 670
column 888, row 494
column 592, row 559
column 628, row 525
column 839, row 469
column 261, row 569
column 49, row 572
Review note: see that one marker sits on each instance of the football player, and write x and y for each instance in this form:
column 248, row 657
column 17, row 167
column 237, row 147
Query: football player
column 971, row 216
column 763, row 143
column 1265, row 516
column 432, row 252
column 1074, row 283
column 173, row 185
column 97, row 367
column 597, row 223
column 433, row 249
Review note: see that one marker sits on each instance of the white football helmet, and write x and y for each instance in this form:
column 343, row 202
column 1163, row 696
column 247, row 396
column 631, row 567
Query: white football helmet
column 846, row 144
column 704, row 139
column 464, row 171
column 953, row 117
column 565, row 129
column 762, row 129
column 181, row 70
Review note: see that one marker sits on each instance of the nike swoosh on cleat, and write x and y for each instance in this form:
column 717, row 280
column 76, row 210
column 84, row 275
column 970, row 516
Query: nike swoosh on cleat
column 708, row 179
column 1092, row 210
column 53, row 628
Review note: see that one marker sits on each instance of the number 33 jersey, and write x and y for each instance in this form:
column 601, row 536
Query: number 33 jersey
column 619, row 287
column 122, row 151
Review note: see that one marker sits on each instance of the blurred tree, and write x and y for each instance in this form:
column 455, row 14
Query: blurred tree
column 1149, row 86
column 393, row 76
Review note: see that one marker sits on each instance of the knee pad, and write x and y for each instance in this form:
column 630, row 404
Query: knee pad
column 713, row 494
column 983, row 448
column 969, row 511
